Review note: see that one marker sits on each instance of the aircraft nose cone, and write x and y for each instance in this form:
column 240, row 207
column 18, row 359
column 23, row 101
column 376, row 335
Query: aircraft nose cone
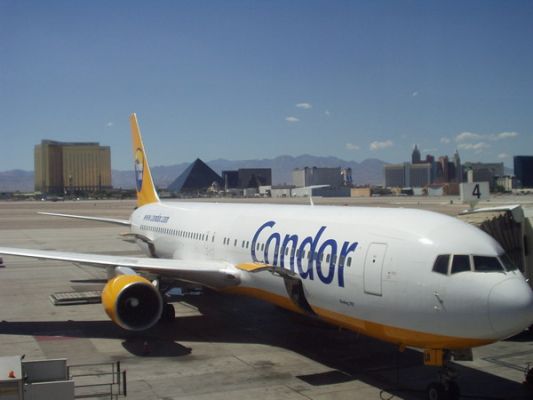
column 510, row 307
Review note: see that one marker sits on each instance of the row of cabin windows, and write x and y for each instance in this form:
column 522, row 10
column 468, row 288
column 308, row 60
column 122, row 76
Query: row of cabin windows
column 246, row 244
column 452, row 264
column 227, row 241
column 303, row 254
column 204, row 237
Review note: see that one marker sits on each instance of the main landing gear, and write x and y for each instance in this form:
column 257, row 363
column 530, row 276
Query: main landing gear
column 447, row 388
column 168, row 314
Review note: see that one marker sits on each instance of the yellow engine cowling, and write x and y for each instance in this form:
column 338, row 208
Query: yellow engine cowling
column 132, row 302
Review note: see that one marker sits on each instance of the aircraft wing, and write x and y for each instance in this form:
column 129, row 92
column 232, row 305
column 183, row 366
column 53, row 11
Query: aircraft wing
column 99, row 219
column 214, row 274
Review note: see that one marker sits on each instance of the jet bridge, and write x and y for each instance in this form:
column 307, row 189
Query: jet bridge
column 511, row 226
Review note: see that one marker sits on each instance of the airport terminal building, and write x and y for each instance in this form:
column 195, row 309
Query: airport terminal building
column 67, row 167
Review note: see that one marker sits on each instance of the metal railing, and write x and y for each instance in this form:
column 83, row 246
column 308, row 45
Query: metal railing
column 98, row 380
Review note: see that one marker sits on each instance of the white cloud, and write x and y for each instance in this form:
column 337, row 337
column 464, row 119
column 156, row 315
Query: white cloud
column 109, row 124
column 470, row 136
column 445, row 140
column 376, row 145
column 504, row 135
column 304, row 106
column 351, row 146
column 503, row 155
column 327, row 112
column 465, row 136
column 477, row 147
column 415, row 93
column 292, row 119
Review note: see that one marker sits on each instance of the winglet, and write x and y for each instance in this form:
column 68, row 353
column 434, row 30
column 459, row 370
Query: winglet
column 144, row 184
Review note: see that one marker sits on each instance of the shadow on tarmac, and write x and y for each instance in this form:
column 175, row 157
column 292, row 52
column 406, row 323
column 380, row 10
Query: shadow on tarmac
column 236, row 319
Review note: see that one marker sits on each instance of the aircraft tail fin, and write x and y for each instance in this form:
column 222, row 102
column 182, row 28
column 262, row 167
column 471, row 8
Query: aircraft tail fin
column 144, row 184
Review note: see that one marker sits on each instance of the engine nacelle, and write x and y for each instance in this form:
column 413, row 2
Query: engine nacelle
column 132, row 302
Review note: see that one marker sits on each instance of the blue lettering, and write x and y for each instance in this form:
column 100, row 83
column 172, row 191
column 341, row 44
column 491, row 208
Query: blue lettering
column 275, row 236
column 327, row 279
column 293, row 239
column 304, row 253
column 268, row 224
column 312, row 246
column 156, row 218
column 347, row 248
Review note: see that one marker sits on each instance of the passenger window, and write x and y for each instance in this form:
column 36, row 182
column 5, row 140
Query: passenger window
column 460, row 264
column 349, row 263
column 486, row 264
column 441, row 264
column 327, row 258
column 507, row 263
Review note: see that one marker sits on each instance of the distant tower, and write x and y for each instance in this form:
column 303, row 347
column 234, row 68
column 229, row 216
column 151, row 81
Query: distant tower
column 431, row 160
column 443, row 170
column 458, row 167
column 415, row 157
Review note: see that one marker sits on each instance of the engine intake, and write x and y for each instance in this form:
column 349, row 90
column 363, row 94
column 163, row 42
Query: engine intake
column 132, row 302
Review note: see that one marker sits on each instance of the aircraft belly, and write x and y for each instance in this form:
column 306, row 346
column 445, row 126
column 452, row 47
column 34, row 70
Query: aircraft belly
column 406, row 328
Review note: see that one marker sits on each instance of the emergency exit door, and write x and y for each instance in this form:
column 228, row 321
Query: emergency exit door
column 375, row 256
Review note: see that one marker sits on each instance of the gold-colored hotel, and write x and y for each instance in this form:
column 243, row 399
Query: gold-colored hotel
column 63, row 167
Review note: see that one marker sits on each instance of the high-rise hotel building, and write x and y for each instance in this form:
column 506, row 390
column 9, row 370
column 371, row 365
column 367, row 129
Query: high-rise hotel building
column 65, row 167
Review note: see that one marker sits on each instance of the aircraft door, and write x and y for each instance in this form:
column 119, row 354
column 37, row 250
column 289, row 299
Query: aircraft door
column 209, row 244
column 375, row 257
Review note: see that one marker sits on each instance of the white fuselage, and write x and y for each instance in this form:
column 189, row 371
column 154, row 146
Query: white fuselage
column 367, row 269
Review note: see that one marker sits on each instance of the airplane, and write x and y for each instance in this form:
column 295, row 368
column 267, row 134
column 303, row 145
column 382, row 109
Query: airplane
column 410, row 277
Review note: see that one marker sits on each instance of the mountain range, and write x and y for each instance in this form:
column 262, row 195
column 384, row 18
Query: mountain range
column 369, row 171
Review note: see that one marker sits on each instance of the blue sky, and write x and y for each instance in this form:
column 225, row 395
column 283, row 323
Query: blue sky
column 258, row 79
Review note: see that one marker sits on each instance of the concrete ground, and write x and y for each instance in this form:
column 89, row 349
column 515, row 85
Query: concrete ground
column 220, row 346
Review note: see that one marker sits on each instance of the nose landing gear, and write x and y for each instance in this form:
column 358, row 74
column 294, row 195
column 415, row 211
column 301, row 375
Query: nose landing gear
column 443, row 390
column 447, row 388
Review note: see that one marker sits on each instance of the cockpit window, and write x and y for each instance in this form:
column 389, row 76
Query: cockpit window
column 507, row 263
column 460, row 263
column 441, row 264
column 486, row 264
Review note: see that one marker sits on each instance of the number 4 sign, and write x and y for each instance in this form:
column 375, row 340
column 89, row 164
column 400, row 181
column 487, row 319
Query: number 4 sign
column 474, row 192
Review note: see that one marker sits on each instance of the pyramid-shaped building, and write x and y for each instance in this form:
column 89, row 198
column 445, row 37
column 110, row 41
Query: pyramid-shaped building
column 197, row 176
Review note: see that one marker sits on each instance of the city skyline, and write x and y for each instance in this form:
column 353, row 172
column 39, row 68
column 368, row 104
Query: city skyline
column 253, row 80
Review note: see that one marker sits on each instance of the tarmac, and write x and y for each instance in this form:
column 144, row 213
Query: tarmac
column 219, row 346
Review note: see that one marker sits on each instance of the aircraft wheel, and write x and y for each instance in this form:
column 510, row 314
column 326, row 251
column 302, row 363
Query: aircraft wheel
column 436, row 391
column 453, row 391
column 168, row 314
